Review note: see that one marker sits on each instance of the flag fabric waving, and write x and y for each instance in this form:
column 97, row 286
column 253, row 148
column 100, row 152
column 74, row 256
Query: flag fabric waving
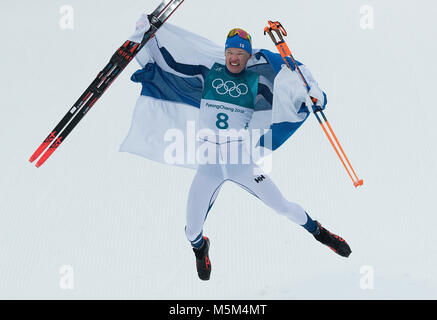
column 173, row 67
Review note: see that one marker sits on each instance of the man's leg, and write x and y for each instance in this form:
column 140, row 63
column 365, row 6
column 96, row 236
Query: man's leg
column 202, row 195
column 265, row 189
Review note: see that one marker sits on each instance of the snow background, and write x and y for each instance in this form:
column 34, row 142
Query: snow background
column 118, row 220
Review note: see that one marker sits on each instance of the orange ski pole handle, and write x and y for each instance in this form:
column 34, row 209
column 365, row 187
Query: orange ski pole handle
column 276, row 25
column 280, row 31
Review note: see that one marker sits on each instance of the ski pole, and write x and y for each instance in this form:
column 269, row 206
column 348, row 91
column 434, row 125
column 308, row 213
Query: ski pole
column 285, row 52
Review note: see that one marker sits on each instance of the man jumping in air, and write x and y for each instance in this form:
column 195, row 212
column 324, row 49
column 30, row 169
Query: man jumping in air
column 235, row 87
column 186, row 79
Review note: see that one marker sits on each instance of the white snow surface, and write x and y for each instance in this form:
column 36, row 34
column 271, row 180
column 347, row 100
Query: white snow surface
column 118, row 220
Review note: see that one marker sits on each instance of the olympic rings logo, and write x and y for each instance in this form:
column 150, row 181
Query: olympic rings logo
column 230, row 87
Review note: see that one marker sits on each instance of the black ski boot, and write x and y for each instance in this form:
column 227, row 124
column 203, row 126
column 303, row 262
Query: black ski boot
column 203, row 263
column 336, row 243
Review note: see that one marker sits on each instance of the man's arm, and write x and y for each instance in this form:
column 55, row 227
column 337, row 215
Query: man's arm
column 176, row 50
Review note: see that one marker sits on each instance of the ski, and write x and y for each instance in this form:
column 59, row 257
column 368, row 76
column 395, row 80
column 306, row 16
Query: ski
column 118, row 62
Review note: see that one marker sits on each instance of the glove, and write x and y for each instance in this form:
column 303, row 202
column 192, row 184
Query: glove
column 317, row 98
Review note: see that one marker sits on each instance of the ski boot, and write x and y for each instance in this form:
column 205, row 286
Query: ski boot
column 334, row 242
column 203, row 264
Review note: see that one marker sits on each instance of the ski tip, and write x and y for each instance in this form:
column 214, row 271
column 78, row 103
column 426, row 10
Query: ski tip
column 40, row 150
column 34, row 157
column 44, row 158
column 40, row 162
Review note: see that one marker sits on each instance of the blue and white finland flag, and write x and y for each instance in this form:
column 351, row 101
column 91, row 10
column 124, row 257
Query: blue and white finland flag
column 174, row 64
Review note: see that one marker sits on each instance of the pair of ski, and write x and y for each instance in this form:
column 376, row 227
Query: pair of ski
column 285, row 52
column 104, row 79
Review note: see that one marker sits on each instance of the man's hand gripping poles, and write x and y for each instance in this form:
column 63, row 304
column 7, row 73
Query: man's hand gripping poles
column 285, row 52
